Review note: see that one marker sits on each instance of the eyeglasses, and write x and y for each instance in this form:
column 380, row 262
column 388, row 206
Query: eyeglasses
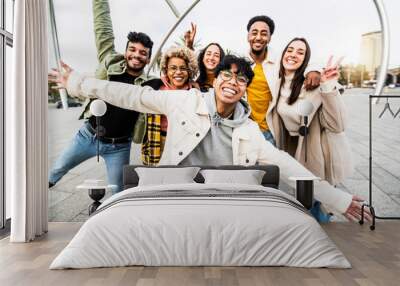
column 174, row 69
column 228, row 75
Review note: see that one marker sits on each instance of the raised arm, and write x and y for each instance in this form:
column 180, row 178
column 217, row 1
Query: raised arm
column 332, row 114
column 140, row 98
column 103, row 30
column 189, row 36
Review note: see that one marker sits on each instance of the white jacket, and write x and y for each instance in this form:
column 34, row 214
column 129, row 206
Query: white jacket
column 189, row 122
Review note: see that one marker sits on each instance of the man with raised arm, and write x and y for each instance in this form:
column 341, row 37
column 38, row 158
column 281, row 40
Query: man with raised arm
column 117, row 124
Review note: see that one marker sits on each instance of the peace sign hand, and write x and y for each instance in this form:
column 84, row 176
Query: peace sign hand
column 190, row 35
column 331, row 71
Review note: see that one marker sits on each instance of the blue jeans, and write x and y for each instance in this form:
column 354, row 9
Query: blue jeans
column 83, row 147
column 268, row 136
column 318, row 214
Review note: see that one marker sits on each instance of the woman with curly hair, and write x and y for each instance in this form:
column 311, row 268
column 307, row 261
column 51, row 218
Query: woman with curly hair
column 178, row 69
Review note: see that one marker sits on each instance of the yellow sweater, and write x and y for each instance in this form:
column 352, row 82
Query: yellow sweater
column 259, row 96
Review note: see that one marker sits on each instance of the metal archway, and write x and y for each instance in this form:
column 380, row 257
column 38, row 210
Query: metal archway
column 381, row 78
column 385, row 51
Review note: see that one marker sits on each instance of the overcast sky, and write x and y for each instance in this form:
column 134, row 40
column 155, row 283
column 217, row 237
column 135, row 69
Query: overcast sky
column 331, row 26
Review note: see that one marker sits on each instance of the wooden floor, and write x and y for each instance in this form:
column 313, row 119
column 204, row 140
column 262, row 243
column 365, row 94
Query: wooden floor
column 375, row 256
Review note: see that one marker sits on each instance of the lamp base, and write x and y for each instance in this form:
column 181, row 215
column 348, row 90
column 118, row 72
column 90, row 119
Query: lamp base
column 96, row 195
column 305, row 192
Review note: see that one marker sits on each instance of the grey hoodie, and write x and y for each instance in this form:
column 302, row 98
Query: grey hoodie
column 216, row 146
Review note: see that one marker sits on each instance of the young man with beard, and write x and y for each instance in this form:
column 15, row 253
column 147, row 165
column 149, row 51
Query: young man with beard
column 117, row 124
column 209, row 128
column 265, row 65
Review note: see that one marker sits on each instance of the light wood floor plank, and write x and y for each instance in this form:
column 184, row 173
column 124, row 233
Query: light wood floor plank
column 375, row 257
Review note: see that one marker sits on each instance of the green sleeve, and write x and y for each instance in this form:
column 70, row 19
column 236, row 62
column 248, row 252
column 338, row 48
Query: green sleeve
column 103, row 30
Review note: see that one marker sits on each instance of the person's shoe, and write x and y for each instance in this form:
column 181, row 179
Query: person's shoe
column 319, row 214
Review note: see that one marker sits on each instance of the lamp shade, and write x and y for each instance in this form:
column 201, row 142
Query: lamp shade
column 98, row 107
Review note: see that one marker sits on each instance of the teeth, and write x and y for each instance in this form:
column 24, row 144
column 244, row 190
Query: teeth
column 228, row 90
column 178, row 78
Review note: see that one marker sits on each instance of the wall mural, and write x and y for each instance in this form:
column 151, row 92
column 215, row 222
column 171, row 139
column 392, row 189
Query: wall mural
column 283, row 95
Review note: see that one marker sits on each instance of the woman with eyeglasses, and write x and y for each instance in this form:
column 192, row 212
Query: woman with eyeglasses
column 328, row 153
column 178, row 68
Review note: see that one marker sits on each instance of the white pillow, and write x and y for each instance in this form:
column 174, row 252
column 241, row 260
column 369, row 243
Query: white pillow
column 248, row 177
column 166, row 176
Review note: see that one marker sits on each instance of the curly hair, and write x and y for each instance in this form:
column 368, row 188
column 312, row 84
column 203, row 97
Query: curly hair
column 142, row 38
column 183, row 53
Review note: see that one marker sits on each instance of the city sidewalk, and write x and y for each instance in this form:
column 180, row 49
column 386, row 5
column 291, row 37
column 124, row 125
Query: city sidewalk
column 66, row 203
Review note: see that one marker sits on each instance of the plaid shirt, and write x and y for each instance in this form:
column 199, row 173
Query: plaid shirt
column 153, row 144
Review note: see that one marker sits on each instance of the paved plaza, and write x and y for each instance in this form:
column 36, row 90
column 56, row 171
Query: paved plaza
column 66, row 203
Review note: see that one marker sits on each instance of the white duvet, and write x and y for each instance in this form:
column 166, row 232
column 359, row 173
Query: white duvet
column 203, row 231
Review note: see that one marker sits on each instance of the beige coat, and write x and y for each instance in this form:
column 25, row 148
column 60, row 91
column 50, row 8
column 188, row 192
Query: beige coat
column 189, row 122
column 327, row 144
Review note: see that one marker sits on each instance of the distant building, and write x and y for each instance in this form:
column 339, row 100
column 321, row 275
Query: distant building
column 371, row 52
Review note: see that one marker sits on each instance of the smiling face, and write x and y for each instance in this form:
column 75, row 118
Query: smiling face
column 229, row 92
column 136, row 56
column 177, row 72
column 294, row 56
column 258, row 37
column 212, row 57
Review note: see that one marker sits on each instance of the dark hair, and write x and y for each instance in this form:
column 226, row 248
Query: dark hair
column 243, row 65
column 142, row 38
column 202, row 68
column 298, row 79
column 267, row 20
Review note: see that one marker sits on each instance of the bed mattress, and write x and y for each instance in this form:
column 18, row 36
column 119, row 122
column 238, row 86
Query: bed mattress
column 201, row 225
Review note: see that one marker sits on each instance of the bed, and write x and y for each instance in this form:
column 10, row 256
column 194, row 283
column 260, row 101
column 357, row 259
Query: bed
column 201, row 224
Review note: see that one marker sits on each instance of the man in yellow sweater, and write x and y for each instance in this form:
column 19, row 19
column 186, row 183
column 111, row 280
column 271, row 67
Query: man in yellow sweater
column 265, row 66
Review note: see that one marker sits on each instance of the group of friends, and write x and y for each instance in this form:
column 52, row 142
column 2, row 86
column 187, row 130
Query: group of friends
column 211, row 109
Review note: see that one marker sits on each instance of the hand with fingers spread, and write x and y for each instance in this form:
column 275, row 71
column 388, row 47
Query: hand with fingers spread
column 331, row 71
column 190, row 35
column 60, row 77
column 353, row 212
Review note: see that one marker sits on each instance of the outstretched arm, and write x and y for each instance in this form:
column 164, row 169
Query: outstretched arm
column 339, row 200
column 128, row 96
column 103, row 30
